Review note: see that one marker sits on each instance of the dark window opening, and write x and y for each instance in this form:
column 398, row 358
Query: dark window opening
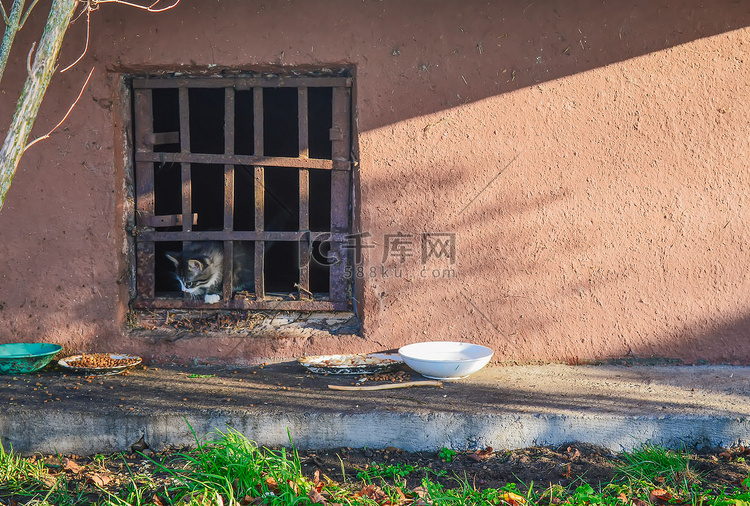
column 320, row 119
column 280, row 122
column 206, row 112
column 244, row 202
column 282, row 199
column 167, row 119
column 244, row 131
column 207, row 196
column 242, row 192
column 319, row 268
column 166, row 281
column 282, row 267
column 167, row 184
column 320, row 193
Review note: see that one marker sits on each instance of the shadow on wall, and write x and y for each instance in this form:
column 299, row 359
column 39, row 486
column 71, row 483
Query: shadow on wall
column 554, row 277
column 468, row 51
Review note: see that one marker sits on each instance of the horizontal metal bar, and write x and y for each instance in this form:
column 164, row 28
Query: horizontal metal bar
column 219, row 235
column 280, row 305
column 226, row 159
column 163, row 138
column 242, row 82
column 165, row 220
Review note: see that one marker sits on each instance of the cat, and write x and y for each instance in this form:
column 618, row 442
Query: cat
column 199, row 268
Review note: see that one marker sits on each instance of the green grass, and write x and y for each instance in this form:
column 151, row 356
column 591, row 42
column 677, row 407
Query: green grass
column 391, row 471
column 231, row 470
column 446, row 454
column 654, row 465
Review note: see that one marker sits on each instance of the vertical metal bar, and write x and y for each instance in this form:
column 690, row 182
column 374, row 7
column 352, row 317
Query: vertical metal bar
column 229, row 150
column 258, row 120
column 187, row 201
column 340, row 186
column 228, row 285
column 303, row 119
column 144, row 192
column 304, row 194
column 305, row 241
column 260, row 244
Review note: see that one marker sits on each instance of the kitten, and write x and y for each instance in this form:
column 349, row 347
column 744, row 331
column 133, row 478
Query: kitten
column 199, row 268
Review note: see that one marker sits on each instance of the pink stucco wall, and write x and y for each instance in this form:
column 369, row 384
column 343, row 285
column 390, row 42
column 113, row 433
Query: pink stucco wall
column 591, row 159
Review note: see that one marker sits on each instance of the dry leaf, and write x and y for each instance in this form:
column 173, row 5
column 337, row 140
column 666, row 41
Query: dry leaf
column 512, row 499
column 481, row 455
column 572, row 453
column 248, row 500
column 401, row 495
column 639, row 502
column 420, row 491
column 316, row 497
column 70, row 465
column 660, row 497
column 373, row 492
column 293, row 486
column 623, row 498
column 99, row 480
column 272, row 485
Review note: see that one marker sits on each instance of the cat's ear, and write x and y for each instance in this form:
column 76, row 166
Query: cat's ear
column 195, row 265
column 174, row 258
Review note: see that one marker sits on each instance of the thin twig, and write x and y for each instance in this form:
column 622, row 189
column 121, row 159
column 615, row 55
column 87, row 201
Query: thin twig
column 5, row 14
column 26, row 14
column 150, row 8
column 64, row 117
column 88, row 34
column 85, row 9
column 301, row 289
column 389, row 386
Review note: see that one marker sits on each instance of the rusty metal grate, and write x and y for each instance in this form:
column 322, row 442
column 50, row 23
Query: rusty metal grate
column 253, row 162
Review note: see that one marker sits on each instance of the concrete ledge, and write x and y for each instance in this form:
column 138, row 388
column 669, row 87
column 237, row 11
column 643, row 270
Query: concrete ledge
column 503, row 407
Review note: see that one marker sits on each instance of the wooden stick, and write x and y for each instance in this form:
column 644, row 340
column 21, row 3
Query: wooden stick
column 390, row 386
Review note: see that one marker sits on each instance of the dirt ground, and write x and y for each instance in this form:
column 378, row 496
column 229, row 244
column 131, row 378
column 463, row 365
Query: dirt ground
column 564, row 465
column 567, row 465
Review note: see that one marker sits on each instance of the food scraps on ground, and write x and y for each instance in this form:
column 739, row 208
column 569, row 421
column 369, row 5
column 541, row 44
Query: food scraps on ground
column 100, row 360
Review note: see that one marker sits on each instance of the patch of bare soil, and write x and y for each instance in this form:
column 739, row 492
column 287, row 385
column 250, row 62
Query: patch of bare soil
column 544, row 466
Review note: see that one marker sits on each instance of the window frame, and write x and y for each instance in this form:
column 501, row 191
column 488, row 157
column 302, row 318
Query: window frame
column 146, row 234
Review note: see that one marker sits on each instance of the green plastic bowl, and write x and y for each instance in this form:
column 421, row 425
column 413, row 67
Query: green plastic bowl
column 23, row 358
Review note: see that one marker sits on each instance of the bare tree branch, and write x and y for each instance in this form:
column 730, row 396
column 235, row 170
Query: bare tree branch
column 12, row 25
column 41, row 70
column 26, row 14
column 33, row 91
column 5, row 14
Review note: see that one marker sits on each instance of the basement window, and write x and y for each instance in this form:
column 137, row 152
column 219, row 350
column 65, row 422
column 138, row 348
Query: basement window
column 247, row 180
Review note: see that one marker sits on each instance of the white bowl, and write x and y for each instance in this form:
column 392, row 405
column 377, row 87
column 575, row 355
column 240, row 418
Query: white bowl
column 445, row 360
